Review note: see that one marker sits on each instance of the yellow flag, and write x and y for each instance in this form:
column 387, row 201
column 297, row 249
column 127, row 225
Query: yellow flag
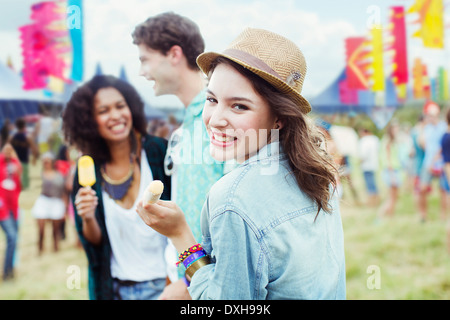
column 431, row 20
column 376, row 57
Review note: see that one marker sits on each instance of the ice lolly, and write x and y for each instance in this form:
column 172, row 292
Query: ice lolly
column 153, row 192
column 86, row 171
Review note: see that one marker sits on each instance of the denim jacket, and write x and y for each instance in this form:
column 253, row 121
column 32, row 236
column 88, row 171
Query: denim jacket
column 264, row 239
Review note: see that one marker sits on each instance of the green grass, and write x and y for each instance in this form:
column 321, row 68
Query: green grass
column 411, row 257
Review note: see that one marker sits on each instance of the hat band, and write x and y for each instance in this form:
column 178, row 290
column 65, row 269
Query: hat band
column 251, row 61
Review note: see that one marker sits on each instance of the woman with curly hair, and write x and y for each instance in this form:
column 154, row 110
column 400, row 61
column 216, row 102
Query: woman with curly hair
column 105, row 119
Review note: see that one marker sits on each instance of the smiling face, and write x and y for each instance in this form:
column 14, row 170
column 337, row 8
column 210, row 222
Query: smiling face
column 157, row 67
column 112, row 114
column 237, row 118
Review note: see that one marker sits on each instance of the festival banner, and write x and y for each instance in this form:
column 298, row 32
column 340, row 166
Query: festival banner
column 430, row 21
column 47, row 48
column 421, row 81
column 442, row 85
column 356, row 52
column 397, row 28
column 397, row 47
column 375, row 42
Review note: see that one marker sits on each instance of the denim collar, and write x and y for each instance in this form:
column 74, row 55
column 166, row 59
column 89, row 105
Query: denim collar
column 271, row 151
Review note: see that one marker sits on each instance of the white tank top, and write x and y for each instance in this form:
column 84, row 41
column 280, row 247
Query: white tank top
column 137, row 250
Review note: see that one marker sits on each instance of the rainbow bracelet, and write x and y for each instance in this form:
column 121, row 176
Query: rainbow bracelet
column 193, row 257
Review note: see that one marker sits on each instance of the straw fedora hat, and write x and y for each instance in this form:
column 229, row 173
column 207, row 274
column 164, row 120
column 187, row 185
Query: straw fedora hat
column 272, row 57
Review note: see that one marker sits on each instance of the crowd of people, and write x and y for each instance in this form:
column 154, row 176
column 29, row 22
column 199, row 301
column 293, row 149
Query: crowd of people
column 238, row 195
column 408, row 157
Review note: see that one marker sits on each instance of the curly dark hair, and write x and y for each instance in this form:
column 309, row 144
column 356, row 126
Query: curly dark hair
column 79, row 125
column 165, row 30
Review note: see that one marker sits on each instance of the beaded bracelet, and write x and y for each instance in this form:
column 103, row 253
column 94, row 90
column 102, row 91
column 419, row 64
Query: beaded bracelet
column 188, row 252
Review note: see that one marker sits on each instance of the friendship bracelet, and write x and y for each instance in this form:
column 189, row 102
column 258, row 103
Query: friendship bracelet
column 203, row 261
column 188, row 252
column 193, row 257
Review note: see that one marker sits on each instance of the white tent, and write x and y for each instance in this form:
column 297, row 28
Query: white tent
column 11, row 87
column 14, row 101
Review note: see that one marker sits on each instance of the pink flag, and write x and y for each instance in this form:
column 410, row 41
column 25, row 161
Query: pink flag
column 45, row 45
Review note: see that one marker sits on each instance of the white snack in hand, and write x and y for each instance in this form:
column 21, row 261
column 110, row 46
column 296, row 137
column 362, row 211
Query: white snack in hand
column 153, row 192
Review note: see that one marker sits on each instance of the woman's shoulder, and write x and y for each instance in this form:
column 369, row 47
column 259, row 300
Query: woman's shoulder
column 152, row 141
column 155, row 147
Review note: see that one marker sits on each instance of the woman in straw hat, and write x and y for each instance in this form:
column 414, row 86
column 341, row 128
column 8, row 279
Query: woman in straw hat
column 271, row 227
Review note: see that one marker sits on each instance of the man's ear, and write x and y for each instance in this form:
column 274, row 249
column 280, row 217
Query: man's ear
column 176, row 54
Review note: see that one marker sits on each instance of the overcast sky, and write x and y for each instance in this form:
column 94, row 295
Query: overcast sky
column 318, row 27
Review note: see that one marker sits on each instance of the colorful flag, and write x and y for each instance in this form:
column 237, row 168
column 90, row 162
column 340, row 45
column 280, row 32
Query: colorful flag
column 397, row 30
column 421, row 81
column 47, row 48
column 375, row 42
column 442, row 85
column 397, row 48
column 431, row 21
column 356, row 52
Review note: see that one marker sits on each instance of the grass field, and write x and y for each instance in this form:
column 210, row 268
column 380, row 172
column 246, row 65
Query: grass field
column 386, row 258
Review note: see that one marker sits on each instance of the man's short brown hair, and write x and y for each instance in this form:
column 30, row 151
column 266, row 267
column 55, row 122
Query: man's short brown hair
column 165, row 30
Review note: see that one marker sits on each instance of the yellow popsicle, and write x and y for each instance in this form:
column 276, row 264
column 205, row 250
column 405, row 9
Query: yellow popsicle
column 86, row 171
column 153, row 192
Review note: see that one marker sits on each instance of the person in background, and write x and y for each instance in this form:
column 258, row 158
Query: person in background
column 43, row 130
column 10, row 187
column 332, row 150
column 50, row 206
column 390, row 164
column 445, row 147
column 5, row 132
column 168, row 45
column 432, row 163
column 23, row 144
column 417, row 154
column 369, row 149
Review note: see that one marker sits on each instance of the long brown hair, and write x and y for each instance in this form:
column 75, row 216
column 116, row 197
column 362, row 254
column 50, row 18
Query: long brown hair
column 300, row 139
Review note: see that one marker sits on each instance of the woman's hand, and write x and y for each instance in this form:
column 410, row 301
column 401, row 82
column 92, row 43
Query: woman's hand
column 166, row 218
column 86, row 202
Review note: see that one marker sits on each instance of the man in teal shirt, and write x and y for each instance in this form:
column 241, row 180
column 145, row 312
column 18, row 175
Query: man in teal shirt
column 168, row 47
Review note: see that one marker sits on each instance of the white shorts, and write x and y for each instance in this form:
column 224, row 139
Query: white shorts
column 48, row 208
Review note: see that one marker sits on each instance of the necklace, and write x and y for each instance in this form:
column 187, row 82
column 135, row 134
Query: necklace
column 117, row 189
